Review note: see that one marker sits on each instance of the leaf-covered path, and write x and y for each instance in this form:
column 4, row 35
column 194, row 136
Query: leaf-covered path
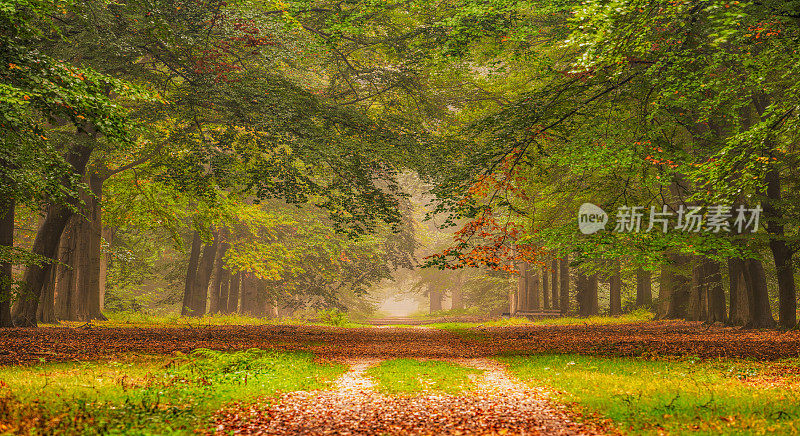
column 501, row 405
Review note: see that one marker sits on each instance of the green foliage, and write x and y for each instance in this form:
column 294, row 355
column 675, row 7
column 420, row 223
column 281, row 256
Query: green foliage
column 407, row 376
column 682, row 397
column 149, row 395
column 334, row 317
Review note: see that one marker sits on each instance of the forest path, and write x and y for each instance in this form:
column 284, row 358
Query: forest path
column 502, row 405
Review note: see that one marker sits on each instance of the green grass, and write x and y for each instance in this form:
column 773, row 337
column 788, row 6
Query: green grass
column 404, row 376
column 148, row 395
column 681, row 397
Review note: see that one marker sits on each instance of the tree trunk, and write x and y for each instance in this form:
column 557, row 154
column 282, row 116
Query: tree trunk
column 233, row 293
column 545, row 289
column 191, row 274
column 216, row 285
column 224, row 288
column 435, row 299
column 760, row 312
column 46, row 312
column 6, row 268
column 564, row 286
column 716, row 293
column 46, row 244
column 522, row 287
column 581, row 289
column 644, row 292
column 204, row 270
column 554, row 283
column 615, row 287
column 457, row 302
column 89, row 276
column 533, row 287
column 781, row 253
column 676, row 292
column 739, row 300
column 66, row 286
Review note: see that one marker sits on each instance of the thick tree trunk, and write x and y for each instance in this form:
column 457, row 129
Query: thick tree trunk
column 594, row 304
column 216, row 285
column 6, row 270
column 457, row 302
column 739, row 300
column 46, row 244
column 554, row 283
column 781, row 253
column 545, row 288
column 564, row 286
column 760, row 312
column 435, row 300
column 615, row 289
column 716, row 293
column 204, row 270
column 533, row 287
column 522, row 287
column 89, row 276
column 224, row 288
column 191, row 274
column 677, row 287
column 696, row 308
column 46, row 312
column 233, row 293
column 581, row 290
column 644, row 292
column 66, row 286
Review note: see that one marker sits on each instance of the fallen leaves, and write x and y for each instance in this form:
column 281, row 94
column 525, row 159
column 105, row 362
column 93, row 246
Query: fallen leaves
column 649, row 339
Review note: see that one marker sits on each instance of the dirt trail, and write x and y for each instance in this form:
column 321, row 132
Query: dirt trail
column 501, row 406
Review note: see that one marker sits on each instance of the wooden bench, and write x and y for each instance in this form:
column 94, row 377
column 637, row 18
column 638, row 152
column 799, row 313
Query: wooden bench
column 534, row 314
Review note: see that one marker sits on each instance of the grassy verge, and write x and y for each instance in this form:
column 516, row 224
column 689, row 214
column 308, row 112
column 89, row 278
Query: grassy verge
column 403, row 376
column 147, row 395
column 679, row 397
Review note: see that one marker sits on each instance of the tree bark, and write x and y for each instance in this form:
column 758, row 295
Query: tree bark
column 781, row 253
column 522, row 287
column 89, row 275
column 216, row 286
column 545, row 289
column 46, row 244
column 46, row 312
column 224, row 288
column 457, row 302
column 677, row 286
column 435, row 300
column 233, row 293
column 739, row 313
column 533, row 287
column 7, row 209
column 66, row 287
column 716, row 293
column 760, row 312
column 204, row 270
column 554, row 283
column 644, row 288
column 615, row 287
column 564, row 286
column 191, row 274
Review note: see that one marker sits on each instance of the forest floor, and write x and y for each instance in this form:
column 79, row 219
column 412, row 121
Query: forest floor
column 654, row 377
column 645, row 339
